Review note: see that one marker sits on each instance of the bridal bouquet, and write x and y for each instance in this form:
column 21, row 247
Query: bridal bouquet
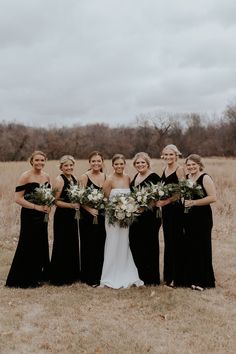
column 122, row 209
column 42, row 195
column 75, row 195
column 189, row 189
column 94, row 198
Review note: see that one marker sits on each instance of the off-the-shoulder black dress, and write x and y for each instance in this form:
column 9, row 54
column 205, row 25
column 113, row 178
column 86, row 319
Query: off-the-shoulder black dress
column 31, row 261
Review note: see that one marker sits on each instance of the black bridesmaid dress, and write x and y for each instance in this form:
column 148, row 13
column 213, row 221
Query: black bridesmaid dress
column 198, row 224
column 144, row 239
column 92, row 240
column 174, row 238
column 65, row 260
column 30, row 264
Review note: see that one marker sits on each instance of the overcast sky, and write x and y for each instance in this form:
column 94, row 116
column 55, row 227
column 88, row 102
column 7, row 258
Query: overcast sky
column 87, row 61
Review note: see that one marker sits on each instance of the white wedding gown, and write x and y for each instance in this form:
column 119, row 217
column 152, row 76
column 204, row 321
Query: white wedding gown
column 119, row 270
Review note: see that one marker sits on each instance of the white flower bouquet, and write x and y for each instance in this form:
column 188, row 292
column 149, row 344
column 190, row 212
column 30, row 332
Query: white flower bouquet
column 122, row 209
column 161, row 191
column 94, row 198
column 75, row 194
column 42, row 195
column 189, row 189
column 142, row 196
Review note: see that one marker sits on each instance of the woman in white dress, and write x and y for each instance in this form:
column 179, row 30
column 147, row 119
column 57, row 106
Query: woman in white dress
column 119, row 270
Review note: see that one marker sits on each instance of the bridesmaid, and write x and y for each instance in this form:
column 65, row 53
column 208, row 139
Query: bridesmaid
column 65, row 263
column 172, row 220
column 92, row 236
column 198, row 227
column 31, row 261
column 143, row 233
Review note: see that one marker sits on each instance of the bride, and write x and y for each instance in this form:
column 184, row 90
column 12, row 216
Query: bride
column 119, row 270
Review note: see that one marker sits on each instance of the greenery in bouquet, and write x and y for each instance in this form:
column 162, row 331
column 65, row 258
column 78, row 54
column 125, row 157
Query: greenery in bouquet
column 142, row 196
column 161, row 191
column 189, row 190
column 75, row 194
column 42, row 195
column 122, row 209
column 94, row 198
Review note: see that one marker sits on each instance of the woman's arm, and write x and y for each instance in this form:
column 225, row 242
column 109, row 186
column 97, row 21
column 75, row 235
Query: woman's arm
column 58, row 186
column 211, row 194
column 19, row 196
column 107, row 187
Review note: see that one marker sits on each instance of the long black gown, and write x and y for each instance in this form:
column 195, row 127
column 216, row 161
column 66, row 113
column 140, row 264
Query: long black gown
column 198, row 224
column 92, row 239
column 174, row 238
column 144, row 240
column 65, row 260
column 30, row 264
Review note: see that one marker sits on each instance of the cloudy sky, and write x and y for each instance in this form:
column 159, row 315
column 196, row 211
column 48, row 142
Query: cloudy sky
column 86, row 61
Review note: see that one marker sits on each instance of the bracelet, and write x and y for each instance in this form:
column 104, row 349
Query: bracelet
column 34, row 206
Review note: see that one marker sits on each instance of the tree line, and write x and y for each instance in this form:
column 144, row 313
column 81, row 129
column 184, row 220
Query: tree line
column 192, row 133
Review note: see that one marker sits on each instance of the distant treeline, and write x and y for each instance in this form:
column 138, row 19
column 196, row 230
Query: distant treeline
column 191, row 133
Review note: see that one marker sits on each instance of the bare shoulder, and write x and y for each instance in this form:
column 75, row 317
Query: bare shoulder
column 46, row 176
column 83, row 179
column 207, row 179
column 24, row 178
column 180, row 172
column 127, row 177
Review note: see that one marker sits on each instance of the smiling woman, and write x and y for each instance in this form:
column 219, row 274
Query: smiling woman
column 119, row 270
column 31, row 261
column 64, row 267
column 198, row 223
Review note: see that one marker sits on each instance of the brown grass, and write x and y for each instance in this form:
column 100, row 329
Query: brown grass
column 80, row 319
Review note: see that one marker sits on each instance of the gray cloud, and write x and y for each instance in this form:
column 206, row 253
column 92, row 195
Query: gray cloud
column 85, row 61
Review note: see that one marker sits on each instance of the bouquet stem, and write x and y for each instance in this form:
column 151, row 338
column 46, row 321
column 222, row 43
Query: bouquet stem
column 95, row 220
column 186, row 210
column 159, row 213
column 77, row 214
column 46, row 217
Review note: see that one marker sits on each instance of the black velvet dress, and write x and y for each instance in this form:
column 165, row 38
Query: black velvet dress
column 144, row 240
column 65, row 261
column 174, row 238
column 198, row 224
column 92, row 239
column 31, row 261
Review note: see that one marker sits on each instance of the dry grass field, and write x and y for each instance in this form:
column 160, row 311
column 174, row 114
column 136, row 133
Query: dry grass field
column 80, row 319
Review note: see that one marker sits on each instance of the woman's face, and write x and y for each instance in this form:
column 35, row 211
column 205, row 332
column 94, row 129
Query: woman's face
column 192, row 167
column 141, row 165
column 67, row 168
column 169, row 156
column 38, row 162
column 96, row 163
column 119, row 166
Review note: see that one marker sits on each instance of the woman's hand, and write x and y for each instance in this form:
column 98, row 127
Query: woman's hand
column 43, row 208
column 92, row 211
column 140, row 210
column 75, row 206
column 189, row 203
column 161, row 203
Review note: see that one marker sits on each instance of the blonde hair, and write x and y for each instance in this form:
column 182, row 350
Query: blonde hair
column 197, row 159
column 66, row 158
column 173, row 148
column 36, row 152
column 144, row 156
